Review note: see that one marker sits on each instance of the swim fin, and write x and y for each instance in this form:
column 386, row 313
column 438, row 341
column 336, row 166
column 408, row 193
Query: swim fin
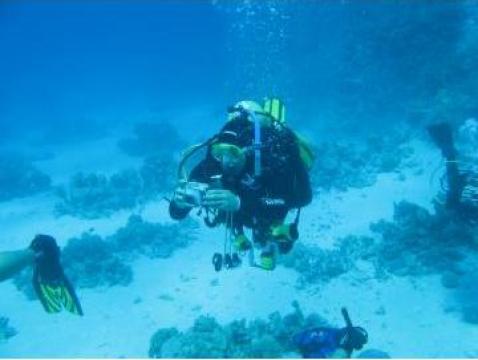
column 49, row 281
column 56, row 293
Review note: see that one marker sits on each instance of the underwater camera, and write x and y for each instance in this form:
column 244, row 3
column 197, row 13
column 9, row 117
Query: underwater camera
column 194, row 192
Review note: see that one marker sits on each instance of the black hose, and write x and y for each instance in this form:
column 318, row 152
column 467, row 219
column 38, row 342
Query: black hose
column 346, row 316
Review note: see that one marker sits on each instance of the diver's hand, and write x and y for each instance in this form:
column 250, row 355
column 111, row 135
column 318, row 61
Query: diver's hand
column 45, row 248
column 47, row 257
column 180, row 200
column 354, row 338
column 224, row 200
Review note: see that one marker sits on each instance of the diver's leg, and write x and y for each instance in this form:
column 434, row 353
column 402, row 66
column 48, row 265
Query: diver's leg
column 262, row 241
column 442, row 136
column 455, row 184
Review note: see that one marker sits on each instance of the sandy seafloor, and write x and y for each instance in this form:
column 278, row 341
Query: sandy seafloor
column 405, row 317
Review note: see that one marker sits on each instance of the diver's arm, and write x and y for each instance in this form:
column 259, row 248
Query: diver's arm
column 12, row 262
column 287, row 192
column 292, row 187
column 300, row 192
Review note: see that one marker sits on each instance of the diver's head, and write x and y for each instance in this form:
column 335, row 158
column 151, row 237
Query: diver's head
column 353, row 338
column 231, row 157
column 231, row 146
column 243, row 109
column 234, row 142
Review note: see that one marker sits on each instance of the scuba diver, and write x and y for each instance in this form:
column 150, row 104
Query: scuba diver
column 254, row 172
column 49, row 281
column 461, row 185
column 328, row 342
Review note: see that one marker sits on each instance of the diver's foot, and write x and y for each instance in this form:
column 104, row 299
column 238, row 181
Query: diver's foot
column 268, row 261
column 242, row 243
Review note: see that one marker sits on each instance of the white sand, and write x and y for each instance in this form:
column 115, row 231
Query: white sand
column 404, row 316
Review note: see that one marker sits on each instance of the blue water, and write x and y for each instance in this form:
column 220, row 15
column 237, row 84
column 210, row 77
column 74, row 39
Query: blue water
column 64, row 60
column 60, row 59
column 77, row 76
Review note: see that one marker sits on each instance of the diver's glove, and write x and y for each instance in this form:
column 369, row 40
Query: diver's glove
column 47, row 257
column 224, row 200
column 354, row 338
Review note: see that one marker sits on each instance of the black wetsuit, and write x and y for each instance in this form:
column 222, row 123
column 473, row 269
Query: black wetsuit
column 456, row 180
column 283, row 185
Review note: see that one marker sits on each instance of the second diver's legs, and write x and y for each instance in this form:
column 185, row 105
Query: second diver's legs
column 442, row 136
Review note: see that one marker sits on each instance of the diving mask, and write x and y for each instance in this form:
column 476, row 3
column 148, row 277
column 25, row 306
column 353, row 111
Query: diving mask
column 221, row 150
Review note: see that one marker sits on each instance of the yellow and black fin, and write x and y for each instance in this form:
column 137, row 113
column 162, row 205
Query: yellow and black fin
column 56, row 295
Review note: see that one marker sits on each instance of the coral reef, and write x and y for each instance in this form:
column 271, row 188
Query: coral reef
column 68, row 130
column 6, row 331
column 206, row 339
column 418, row 243
column 20, row 178
column 159, row 338
column 414, row 243
column 94, row 195
column 454, row 99
column 153, row 239
column 238, row 339
column 158, row 174
column 152, row 139
column 317, row 265
column 356, row 165
column 91, row 261
column 379, row 51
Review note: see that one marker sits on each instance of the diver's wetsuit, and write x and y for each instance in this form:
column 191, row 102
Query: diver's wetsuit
column 283, row 185
column 457, row 181
column 319, row 343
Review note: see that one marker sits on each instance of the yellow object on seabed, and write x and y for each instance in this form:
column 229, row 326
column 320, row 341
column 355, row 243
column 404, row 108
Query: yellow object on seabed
column 242, row 243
